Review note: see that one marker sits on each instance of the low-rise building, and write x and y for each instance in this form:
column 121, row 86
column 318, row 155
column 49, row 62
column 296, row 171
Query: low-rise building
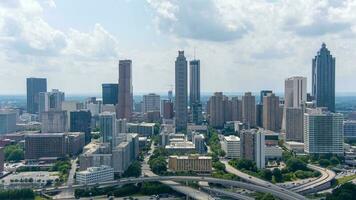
column 185, row 147
column 350, row 130
column 231, row 146
column 95, row 154
column 195, row 163
column 95, row 175
column 297, row 147
column 273, row 152
column 143, row 129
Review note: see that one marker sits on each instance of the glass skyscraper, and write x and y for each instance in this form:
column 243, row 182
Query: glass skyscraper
column 34, row 87
column 181, row 92
column 110, row 93
column 323, row 75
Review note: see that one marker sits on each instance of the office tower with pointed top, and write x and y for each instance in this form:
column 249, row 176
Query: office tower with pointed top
column 323, row 75
column 194, row 96
column 125, row 101
column 181, row 92
column 34, row 87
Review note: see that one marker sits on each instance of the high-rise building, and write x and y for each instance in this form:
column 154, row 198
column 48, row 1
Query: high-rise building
column 125, row 102
column 231, row 146
column 110, row 92
column 249, row 109
column 51, row 101
column 264, row 93
column 54, row 121
column 71, row 106
column 216, row 110
column 271, row 113
column 45, row 145
column 80, row 122
column 252, row 144
column 151, row 103
column 167, row 109
column 2, row 159
column 194, row 96
column 107, row 123
column 181, row 92
column 323, row 79
column 350, row 130
column 259, row 115
column 323, row 132
column 236, row 109
column 7, row 121
column 199, row 143
column 294, row 124
column 34, row 87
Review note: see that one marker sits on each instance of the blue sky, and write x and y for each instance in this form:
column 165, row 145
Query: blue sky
column 242, row 45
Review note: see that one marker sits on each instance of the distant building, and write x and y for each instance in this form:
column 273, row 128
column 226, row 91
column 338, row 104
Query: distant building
column 273, row 152
column 264, row 93
column 194, row 163
column 297, row 147
column 350, row 130
column 121, row 157
column 110, row 93
column 181, row 147
column 71, row 106
column 323, row 79
column 80, row 122
column 7, row 121
column 95, row 175
column 51, row 101
column 294, row 124
column 54, row 121
column 2, row 159
column 231, row 146
column 151, row 103
column 236, row 109
column 143, row 129
column 252, row 144
column 125, row 101
column 271, row 113
column 167, row 111
column 249, row 109
column 75, row 142
column 107, row 123
column 323, row 132
column 181, row 92
column 199, row 143
column 95, row 154
column 194, row 95
column 34, row 87
column 216, row 110
column 45, row 145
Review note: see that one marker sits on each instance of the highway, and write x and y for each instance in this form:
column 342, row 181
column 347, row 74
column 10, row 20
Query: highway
column 232, row 195
column 258, row 181
column 68, row 193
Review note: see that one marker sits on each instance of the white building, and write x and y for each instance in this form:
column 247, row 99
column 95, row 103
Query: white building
column 95, row 175
column 50, row 100
column 273, row 152
column 231, row 146
column 297, row 147
column 260, row 150
column 121, row 157
column 7, row 121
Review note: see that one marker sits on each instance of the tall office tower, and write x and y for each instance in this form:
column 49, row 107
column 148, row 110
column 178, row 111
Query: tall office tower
column 167, row 109
column 107, row 121
column 271, row 113
column 236, row 109
column 181, row 92
column 34, row 87
column 249, row 109
column 194, row 96
column 294, row 124
column 264, row 93
column 259, row 115
column 323, row 83
column 51, row 101
column 350, row 130
column 110, row 92
column 216, row 110
column 7, row 121
column 80, row 121
column 151, row 103
column 252, row 146
column 323, row 132
column 54, row 121
column 170, row 95
column 125, row 103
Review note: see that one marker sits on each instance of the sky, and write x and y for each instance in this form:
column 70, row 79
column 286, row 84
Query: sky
column 243, row 45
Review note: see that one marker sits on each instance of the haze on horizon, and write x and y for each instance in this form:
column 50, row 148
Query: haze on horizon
column 242, row 45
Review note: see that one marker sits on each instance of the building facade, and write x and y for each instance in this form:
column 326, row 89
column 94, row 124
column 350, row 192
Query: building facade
column 194, row 163
column 80, row 121
column 181, row 92
column 34, row 87
column 231, row 146
column 95, row 175
column 271, row 113
column 125, row 101
column 107, row 123
column 7, row 121
column 194, row 96
column 110, row 92
column 51, row 101
column 249, row 109
column 54, row 122
column 151, row 103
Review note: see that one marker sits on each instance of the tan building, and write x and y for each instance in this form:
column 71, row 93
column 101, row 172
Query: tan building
column 271, row 116
column 193, row 163
column 249, row 109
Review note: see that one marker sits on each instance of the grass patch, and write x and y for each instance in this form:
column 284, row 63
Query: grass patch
column 345, row 179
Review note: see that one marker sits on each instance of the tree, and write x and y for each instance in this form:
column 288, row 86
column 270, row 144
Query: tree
column 334, row 160
column 218, row 166
column 294, row 164
column 266, row 196
column 345, row 191
column 266, row 174
column 13, row 153
column 134, row 170
column 158, row 165
column 277, row 175
column 324, row 162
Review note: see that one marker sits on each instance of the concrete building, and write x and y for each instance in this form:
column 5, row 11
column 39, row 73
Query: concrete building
column 323, row 79
column 180, row 147
column 110, row 93
column 260, row 146
column 194, row 96
column 151, row 103
column 121, row 157
column 231, row 146
column 323, row 132
column 271, row 113
column 236, row 109
column 199, row 143
column 95, row 175
column 143, row 129
column 95, row 154
column 71, row 106
column 297, row 147
column 181, row 92
column 249, row 109
column 294, row 124
column 264, row 93
column 51, row 101
column 34, row 87
column 75, row 142
column 253, row 146
column 273, row 152
column 54, row 121
column 216, row 110
column 194, row 163
column 125, row 101
column 45, row 145
column 107, row 123
column 167, row 111
column 350, row 130
column 7, row 121
column 80, row 122
column 2, row 160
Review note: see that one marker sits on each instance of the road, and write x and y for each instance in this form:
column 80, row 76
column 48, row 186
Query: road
column 69, row 192
column 193, row 193
column 232, row 195
column 258, row 181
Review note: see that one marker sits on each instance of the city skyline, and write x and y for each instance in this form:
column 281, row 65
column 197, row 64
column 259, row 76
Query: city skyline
column 68, row 50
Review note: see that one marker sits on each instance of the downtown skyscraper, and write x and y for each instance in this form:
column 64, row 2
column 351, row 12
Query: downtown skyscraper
column 125, row 101
column 34, row 87
column 323, row 79
column 181, row 91
column 194, row 89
